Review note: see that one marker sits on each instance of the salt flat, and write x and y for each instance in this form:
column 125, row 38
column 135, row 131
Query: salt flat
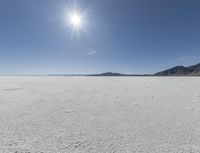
column 99, row 115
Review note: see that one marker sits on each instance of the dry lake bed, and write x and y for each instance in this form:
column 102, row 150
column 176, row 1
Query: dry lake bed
column 99, row 114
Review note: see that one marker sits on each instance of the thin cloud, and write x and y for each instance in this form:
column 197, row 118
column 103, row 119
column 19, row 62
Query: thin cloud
column 91, row 52
column 182, row 59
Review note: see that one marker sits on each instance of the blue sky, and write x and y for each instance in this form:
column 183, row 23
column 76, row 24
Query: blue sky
column 127, row 36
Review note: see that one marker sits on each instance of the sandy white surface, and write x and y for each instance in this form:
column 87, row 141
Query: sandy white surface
column 99, row 115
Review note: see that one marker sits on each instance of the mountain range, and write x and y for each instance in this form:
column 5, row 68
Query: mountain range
column 118, row 74
column 193, row 70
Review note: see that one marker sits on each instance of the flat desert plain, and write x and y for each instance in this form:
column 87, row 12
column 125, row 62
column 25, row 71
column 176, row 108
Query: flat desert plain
column 99, row 114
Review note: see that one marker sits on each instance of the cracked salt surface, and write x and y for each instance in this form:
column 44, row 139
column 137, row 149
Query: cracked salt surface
column 99, row 115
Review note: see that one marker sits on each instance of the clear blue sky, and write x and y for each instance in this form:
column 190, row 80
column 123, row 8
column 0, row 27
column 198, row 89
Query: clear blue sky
column 127, row 36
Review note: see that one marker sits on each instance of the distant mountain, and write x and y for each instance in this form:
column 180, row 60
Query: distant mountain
column 101, row 74
column 193, row 70
column 118, row 74
column 108, row 74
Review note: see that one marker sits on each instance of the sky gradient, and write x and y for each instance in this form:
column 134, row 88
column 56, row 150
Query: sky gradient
column 126, row 36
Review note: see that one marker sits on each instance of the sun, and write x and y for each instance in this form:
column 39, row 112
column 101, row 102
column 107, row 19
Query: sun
column 75, row 20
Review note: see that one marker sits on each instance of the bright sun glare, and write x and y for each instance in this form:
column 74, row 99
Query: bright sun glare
column 75, row 20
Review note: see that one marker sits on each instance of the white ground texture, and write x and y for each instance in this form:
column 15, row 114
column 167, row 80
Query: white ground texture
column 99, row 115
